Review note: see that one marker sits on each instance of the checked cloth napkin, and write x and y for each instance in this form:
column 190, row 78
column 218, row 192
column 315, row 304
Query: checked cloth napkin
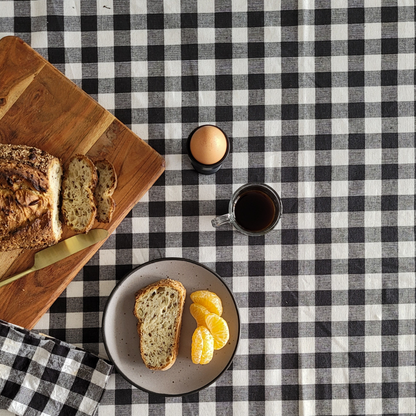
column 44, row 376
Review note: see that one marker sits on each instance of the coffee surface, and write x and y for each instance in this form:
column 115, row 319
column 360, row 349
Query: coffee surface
column 254, row 211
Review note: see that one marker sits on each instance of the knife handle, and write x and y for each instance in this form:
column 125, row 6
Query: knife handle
column 16, row 277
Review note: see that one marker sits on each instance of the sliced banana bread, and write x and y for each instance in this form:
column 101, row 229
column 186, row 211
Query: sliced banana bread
column 159, row 309
column 107, row 183
column 78, row 186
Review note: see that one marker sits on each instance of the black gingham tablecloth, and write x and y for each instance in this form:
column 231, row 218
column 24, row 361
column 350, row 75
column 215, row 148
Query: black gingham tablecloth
column 319, row 100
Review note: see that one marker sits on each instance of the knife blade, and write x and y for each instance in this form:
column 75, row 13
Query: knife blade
column 60, row 251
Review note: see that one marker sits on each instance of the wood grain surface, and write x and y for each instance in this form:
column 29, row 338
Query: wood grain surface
column 40, row 107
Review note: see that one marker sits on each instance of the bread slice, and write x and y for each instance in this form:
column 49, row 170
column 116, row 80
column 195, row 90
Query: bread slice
column 78, row 186
column 107, row 183
column 159, row 309
column 30, row 184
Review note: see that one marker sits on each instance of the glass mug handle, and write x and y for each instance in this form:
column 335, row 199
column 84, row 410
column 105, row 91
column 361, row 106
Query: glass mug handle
column 221, row 220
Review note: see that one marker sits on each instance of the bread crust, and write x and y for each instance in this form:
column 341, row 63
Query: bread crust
column 28, row 199
column 24, row 167
column 178, row 321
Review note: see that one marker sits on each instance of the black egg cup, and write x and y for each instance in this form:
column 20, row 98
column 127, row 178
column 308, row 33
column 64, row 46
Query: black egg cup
column 201, row 167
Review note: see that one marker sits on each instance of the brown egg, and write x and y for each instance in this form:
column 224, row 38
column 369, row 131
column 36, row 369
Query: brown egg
column 208, row 145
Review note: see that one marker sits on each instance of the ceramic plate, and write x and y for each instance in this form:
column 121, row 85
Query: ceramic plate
column 121, row 339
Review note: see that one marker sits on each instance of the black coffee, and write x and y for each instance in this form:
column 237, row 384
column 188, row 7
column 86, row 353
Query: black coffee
column 254, row 210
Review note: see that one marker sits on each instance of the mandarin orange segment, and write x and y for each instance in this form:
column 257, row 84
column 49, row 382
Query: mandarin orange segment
column 209, row 300
column 202, row 349
column 198, row 312
column 219, row 330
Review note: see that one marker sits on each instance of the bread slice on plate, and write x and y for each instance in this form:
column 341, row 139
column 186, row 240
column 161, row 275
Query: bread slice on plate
column 30, row 184
column 107, row 183
column 78, row 186
column 159, row 308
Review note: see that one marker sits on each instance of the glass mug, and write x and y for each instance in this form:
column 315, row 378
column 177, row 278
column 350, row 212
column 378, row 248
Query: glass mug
column 254, row 209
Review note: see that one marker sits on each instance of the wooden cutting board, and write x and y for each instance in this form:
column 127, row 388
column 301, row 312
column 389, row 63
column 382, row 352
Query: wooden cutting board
column 40, row 107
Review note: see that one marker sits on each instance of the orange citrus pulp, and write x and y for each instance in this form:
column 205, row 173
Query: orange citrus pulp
column 198, row 312
column 209, row 300
column 219, row 330
column 202, row 346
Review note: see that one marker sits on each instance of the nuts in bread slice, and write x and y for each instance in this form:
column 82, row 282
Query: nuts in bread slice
column 159, row 308
column 107, row 183
column 78, row 186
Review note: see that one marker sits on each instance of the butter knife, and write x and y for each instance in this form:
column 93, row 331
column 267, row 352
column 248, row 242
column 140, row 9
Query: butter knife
column 60, row 251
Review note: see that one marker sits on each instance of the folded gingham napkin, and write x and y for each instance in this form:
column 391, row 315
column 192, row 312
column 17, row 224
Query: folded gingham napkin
column 44, row 376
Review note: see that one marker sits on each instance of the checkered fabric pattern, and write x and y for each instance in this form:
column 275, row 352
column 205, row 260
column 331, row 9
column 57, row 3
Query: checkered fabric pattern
column 318, row 98
column 43, row 376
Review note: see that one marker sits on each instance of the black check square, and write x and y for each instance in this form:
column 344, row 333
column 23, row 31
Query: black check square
column 22, row 24
column 121, row 22
column 322, row 16
column 223, row 19
column 289, row 17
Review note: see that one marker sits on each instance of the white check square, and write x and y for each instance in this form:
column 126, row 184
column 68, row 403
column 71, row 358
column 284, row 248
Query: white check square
column 306, row 64
column 339, row 282
column 207, row 254
column 272, row 34
column 340, row 407
column 139, row 69
column 240, row 160
column 172, row 36
column 372, row 62
column 406, row 29
column 339, row 313
column 173, row 68
column 240, row 66
column 173, row 224
column 240, row 98
column 138, row 37
column 407, row 405
column 272, row 315
column 373, row 406
column 105, row 39
column 107, row 257
column 140, row 225
column 339, row 63
column 72, row 39
column 306, row 33
column 406, row 62
column 372, row 30
column 206, row 35
column 340, row 126
column 207, row 98
column 239, row 35
column 339, row 32
column 173, row 193
column 406, row 124
column 373, row 312
column 74, row 320
column 205, row 67
column 171, row 6
column 339, row 344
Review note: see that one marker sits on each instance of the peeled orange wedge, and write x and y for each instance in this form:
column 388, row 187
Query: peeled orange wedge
column 199, row 312
column 209, row 300
column 202, row 346
column 219, row 330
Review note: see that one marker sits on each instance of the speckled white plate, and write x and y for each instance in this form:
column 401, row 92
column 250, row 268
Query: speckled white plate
column 121, row 339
